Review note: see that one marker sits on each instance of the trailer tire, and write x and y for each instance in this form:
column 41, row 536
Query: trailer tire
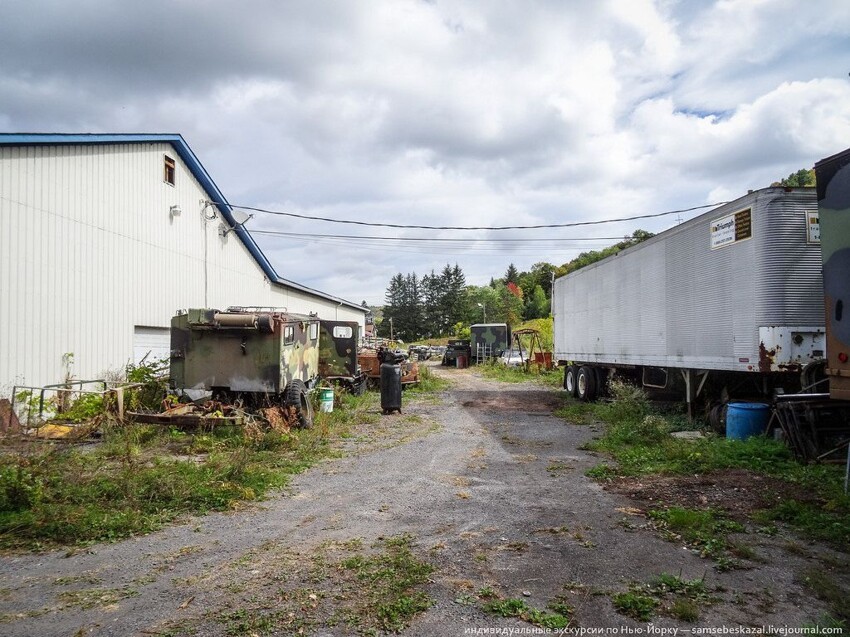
column 296, row 396
column 586, row 384
column 717, row 418
column 601, row 381
column 570, row 372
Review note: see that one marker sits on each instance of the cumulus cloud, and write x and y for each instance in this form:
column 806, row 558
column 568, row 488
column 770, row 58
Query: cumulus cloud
column 444, row 113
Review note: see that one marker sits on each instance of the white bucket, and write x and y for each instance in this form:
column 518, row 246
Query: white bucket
column 326, row 399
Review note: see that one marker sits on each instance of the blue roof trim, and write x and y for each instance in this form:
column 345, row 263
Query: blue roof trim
column 198, row 171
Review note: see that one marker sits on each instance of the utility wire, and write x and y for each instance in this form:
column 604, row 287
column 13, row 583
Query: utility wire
column 396, row 225
column 280, row 233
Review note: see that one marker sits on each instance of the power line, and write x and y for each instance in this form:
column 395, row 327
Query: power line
column 434, row 239
column 419, row 227
column 447, row 246
column 447, row 249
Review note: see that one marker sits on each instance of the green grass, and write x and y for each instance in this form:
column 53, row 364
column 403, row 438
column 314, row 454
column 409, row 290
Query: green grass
column 574, row 412
column 828, row 590
column 704, row 530
column 665, row 594
column 637, row 439
column 819, row 522
column 560, row 618
column 143, row 476
column 428, row 382
column 635, row 605
column 692, row 589
column 389, row 582
column 505, row 374
column 366, row 591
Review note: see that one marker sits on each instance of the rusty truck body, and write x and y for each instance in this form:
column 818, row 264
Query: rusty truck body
column 259, row 356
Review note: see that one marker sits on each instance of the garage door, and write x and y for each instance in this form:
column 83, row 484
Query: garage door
column 151, row 344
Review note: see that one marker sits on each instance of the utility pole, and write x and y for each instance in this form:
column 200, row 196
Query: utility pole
column 552, row 295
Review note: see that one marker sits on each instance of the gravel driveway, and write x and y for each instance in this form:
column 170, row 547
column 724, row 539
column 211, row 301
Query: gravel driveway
column 490, row 486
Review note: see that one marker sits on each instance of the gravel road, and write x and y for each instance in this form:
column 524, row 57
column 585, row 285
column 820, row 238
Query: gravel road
column 487, row 481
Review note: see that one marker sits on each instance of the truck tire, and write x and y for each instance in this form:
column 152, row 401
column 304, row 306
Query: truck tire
column 570, row 372
column 296, row 396
column 601, row 381
column 586, row 383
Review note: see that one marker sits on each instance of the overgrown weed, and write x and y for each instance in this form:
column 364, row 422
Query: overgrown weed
column 369, row 591
column 637, row 438
column 143, row 476
column 495, row 370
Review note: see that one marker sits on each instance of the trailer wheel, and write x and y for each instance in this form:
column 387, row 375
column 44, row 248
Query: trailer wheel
column 586, row 383
column 570, row 372
column 296, row 396
column 601, row 381
column 717, row 418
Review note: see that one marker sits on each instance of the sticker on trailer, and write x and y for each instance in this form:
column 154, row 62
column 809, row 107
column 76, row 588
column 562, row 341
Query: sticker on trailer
column 812, row 227
column 731, row 229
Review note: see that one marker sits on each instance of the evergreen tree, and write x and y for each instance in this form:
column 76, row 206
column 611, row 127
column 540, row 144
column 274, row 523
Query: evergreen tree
column 512, row 275
column 457, row 296
column 432, row 292
column 447, row 301
column 426, row 307
column 393, row 304
column 412, row 324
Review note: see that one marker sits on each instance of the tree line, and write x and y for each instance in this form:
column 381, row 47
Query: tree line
column 441, row 303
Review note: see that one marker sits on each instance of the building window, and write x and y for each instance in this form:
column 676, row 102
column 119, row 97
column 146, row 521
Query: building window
column 168, row 175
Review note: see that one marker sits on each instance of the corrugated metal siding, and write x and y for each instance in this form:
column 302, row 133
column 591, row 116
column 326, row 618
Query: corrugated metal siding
column 88, row 251
column 791, row 292
column 674, row 301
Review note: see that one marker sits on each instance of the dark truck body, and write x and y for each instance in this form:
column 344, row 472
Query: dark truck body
column 257, row 356
column 456, row 347
column 833, row 179
column 338, row 364
column 489, row 340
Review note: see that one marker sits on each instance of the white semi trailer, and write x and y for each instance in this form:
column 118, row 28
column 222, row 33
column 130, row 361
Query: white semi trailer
column 731, row 300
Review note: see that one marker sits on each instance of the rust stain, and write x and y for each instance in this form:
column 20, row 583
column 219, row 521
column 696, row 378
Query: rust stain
column 765, row 358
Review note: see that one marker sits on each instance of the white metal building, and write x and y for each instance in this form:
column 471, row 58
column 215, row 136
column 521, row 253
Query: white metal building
column 103, row 238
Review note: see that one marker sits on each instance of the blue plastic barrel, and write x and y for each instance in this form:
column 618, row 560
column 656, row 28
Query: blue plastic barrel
column 746, row 419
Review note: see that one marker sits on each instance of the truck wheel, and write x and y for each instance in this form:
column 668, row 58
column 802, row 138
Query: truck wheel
column 570, row 372
column 296, row 396
column 586, row 383
column 601, row 381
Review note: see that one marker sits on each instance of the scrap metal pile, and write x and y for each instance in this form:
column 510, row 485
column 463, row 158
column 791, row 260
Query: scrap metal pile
column 815, row 428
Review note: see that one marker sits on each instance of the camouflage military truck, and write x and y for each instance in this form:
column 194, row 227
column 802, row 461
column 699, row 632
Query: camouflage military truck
column 455, row 348
column 338, row 363
column 260, row 356
column 489, row 340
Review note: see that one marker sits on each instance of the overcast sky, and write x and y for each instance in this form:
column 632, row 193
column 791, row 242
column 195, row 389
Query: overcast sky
column 473, row 113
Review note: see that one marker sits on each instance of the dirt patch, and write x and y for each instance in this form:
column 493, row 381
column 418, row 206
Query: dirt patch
column 737, row 492
column 529, row 401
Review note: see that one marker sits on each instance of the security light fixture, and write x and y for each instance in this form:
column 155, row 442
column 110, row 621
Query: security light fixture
column 240, row 217
column 174, row 211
